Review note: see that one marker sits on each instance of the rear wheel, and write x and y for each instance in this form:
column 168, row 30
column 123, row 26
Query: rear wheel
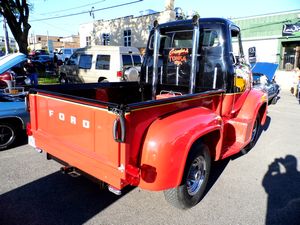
column 194, row 180
column 254, row 135
column 8, row 134
column 274, row 100
column 63, row 79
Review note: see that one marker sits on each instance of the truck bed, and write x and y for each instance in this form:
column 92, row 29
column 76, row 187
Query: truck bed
column 114, row 94
column 82, row 124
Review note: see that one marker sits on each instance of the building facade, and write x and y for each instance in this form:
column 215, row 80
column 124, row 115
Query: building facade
column 266, row 38
column 12, row 44
column 272, row 38
column 125, row 31
column 52, row 43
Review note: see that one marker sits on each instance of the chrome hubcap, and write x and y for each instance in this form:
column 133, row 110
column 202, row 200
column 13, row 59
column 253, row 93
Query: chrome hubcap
column 6, row 135
column 196, row 175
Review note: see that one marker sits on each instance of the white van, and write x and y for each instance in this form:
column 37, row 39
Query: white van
column 101, row 64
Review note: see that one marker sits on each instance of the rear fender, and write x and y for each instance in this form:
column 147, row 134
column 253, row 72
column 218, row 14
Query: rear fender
column 168, row 142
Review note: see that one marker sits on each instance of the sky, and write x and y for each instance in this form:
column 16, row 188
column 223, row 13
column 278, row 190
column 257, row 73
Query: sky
column 43, row 11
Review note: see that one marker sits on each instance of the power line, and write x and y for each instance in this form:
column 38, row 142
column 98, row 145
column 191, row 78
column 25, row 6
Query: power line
column 64, row 10
column 94, row 10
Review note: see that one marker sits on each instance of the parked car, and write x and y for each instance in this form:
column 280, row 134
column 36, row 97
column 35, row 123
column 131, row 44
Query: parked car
column 43, row 62
column 65, row 53
column 13, row 116
column 11, row 69
column 263, row 78
column 101, row 64
column 38, row 52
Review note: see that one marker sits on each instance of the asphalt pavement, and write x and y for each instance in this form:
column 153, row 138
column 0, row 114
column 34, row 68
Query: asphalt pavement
column 260, row 187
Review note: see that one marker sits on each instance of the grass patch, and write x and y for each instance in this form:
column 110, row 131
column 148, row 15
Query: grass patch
column 48, row 80
column 45, row 78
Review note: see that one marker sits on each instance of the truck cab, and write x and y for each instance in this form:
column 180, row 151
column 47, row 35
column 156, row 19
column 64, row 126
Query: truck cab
column 192, row 57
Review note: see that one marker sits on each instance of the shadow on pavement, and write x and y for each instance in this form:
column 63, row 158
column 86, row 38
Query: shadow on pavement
column 219, row 166
column 22, row 139
column 265, row 127
column 217, row 169
column 282, row 184
column 55, row 199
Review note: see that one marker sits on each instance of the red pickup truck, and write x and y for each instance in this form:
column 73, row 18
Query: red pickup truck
column 194, row 104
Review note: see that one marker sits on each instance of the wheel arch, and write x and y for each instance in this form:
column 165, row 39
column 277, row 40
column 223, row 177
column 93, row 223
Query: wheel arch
column 16, row 121
column 262, row 112
column 255, row 104
column 101, row 78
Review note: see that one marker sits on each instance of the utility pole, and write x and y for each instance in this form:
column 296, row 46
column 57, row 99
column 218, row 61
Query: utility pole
column 6, row 37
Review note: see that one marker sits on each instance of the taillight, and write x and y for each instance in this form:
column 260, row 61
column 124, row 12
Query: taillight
column 119, row 73
column 28, row 129
column 6, row 76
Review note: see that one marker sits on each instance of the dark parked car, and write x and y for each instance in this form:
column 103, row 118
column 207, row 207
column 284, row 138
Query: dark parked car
column 263, row 78
column 43, row 62
column 13, row 116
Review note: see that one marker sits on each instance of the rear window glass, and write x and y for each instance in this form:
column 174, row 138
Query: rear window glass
column 102, row 62
column 85, row 61
column 127, row 61
column 137, row 60
column 67, row 51
column 183, row 40
column 210, row 38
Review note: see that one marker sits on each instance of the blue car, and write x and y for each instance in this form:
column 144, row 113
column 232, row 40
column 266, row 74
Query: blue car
column 263, row 78
column 13, row 118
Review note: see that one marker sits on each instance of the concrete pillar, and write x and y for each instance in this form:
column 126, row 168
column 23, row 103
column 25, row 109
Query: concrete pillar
column 282, row 58
column 297, row 57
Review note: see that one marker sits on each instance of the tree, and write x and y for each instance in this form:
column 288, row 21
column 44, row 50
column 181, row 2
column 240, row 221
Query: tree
column 16, row 13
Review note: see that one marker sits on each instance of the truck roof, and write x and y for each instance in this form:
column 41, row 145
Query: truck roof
column 201, row 20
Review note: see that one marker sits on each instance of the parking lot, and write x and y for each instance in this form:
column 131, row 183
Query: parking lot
column 260, row 187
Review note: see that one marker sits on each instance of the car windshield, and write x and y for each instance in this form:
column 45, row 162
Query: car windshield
column 67, row 51
column 9, row 61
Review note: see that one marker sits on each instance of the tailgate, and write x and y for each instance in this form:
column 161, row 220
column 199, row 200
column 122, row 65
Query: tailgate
column 78, row 134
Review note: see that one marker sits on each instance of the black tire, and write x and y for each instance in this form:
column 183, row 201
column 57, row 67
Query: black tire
column 194, row 180
column 274, row 100
column 8, row 134
column 255, row 132
column 63, row 79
